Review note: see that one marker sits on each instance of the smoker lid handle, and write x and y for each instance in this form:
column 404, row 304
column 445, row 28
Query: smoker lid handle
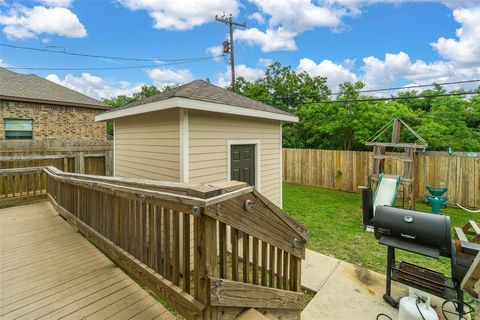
column 407, row 236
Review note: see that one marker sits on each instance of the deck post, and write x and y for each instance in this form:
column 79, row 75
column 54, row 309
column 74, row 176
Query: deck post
column 206, row 251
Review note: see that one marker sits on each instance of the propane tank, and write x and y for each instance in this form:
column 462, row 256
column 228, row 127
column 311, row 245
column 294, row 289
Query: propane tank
column 416, row 308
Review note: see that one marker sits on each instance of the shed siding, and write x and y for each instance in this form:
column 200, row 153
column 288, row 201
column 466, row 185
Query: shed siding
column 147, row 146
column 209, row 133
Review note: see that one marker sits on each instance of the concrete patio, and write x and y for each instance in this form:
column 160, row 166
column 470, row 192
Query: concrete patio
column 346, row 291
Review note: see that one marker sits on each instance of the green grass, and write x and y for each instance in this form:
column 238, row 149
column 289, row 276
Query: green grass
column 334, row 222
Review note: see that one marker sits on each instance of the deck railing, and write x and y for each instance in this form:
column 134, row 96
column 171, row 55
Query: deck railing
column 210, row 251
column 22, row 185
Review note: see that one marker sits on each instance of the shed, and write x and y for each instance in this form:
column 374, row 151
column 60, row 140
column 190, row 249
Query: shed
column 200, row 133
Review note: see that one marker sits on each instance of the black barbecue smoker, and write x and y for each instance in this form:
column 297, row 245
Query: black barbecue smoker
column 422, row 233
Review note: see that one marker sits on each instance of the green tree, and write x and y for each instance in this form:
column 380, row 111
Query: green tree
column 342, row 122
column 122, row 100
column 346, row 124
column 420, row 104
column 452, row 122
column 284, row 88
column 288, row 90
column 147, row 91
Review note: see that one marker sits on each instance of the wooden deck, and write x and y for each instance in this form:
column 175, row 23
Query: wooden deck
column 49, row 271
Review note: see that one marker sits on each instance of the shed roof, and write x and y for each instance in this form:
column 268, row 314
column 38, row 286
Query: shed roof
column 32, row 88
column 203, row 91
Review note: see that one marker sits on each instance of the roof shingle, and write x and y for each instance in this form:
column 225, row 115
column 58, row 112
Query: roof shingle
column 30, row 87
column 205, row 91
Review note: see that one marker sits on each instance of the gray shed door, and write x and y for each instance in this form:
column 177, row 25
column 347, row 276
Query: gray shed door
column 242, row 163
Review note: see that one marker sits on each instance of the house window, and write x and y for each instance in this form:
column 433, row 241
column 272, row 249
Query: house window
column 18, row 129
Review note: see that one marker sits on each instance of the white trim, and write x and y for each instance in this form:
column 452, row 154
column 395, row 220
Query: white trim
column 184, row 166
column 257, row 159
column 114, row 143
column 281, row 168
column 194, row 105
column 184, row 146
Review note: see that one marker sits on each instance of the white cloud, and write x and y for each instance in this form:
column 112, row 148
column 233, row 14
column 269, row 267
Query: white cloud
column 349, row 63
column 94, row 86
column 287, row 19
column 257, row 16
column 298, row 15
column 182, row 14
column 466, row 50
column 268, row 40
column 215, row 52
column 393, row 69
column 399, row 67
column 56, row 3
column 421, row 71
column 265, row 62
column 163, row 77
column 335, row 73
column 355, row 4
column 460, row 3
column 25, row 23
column 293, row 17
column 284, row 19
column 250, row 74
column 380, row 73
column 241, row 70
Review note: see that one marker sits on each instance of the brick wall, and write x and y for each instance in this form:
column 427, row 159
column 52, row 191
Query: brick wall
column 51, row 122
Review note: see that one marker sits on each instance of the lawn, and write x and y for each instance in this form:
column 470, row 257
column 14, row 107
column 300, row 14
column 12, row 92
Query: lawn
column 334, row 222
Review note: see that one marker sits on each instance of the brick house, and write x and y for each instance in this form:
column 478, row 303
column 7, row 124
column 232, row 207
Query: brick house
column 36, row 109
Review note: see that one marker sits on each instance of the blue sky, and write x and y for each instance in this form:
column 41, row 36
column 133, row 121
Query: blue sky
column 380, row 42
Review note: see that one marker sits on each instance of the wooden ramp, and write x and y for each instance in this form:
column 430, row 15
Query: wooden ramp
column 49, row 271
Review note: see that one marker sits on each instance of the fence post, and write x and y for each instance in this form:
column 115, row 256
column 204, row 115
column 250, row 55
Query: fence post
column 80, row 162
column 109, row 163
column 65, row 164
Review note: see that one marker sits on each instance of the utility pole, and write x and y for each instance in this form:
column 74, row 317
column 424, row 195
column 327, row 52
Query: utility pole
column 228, row 46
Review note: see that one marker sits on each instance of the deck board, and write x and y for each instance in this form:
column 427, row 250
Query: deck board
column 49, row 271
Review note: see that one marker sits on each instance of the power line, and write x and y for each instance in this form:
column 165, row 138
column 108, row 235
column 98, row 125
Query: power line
column 386, row 89
column 413, row 87
column 391, row 12
column 63, row 50
column 393, row 98
column 109, row 68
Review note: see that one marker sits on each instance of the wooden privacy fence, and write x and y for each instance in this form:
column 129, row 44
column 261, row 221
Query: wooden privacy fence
column 210, row 251
column 96, row 164
column 69, row 156
column 31, row 147
column 346, row 170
